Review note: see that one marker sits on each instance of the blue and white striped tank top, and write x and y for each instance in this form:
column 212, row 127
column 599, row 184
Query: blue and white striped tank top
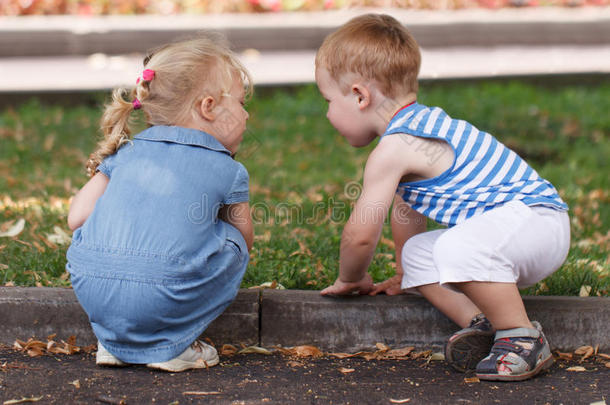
column 484, row 174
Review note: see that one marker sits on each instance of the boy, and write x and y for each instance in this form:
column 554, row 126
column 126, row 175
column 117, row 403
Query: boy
column 507, row 227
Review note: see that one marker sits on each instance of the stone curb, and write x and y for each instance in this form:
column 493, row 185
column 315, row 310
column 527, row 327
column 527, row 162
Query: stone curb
column 293, row 317
column 39, row 312
column 72, row 35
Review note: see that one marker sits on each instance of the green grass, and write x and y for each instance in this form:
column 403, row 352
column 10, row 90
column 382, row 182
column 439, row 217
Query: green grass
column 299, row 168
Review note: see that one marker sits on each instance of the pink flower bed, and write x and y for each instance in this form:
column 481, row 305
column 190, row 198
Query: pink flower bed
column 166, row 7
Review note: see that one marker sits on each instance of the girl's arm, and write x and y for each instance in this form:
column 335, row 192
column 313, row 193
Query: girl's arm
column 84, row 201
column 405, row 222
column 238, row 215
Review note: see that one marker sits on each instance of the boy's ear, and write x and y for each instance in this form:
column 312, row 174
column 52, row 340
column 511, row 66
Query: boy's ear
column 363, row 95
column 206, row 108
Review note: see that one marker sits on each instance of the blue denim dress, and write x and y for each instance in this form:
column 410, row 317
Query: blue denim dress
column 153, row 265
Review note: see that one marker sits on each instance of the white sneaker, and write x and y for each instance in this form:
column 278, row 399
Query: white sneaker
column 197, row 355
column 104, row 358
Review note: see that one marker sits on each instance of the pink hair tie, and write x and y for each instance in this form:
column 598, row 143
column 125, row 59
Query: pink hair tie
column 136, row 104
column 148, row 74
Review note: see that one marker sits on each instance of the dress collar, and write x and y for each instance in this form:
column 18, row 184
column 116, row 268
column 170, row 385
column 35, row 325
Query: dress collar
column 181, row 135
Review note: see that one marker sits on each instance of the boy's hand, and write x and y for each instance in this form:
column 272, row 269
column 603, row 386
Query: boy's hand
column 391, row 286
column 363, row 287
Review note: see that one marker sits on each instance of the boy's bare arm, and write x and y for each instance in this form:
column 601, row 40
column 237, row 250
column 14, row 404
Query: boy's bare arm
column 405, row 222
column 363, row 229
column 84, row 201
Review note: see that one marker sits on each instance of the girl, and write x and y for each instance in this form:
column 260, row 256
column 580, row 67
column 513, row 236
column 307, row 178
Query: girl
column 162, row 229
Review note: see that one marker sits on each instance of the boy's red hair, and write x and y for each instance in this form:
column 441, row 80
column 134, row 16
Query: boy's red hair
column 376, row 47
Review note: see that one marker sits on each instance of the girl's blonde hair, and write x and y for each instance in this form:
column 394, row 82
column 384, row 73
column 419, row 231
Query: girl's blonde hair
column 376, row 47
column 185, row 72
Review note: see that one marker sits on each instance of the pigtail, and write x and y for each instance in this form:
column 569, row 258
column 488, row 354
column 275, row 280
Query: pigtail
column 115, row 122
column 115, row 129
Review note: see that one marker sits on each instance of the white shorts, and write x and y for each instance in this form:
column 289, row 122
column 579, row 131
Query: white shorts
column 513, row 243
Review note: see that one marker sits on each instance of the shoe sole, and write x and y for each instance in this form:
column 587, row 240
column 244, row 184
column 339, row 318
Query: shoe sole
column 110, row 362
column 543, row 365
column 467, row 350
column 176, row 366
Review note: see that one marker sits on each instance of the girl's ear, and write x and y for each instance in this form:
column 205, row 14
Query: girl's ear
column 363, row 95
column 206, row 108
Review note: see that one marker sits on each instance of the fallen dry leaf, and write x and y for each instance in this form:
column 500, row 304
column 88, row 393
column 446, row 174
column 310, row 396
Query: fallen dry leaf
column 388, row 242
column 201, row 393
column 384, row 354
column 576, row 368
column 397, row 354
column 471, row 380
column 272, row 285
column 307, row 351
column 59, row 236
column 438, row 356
column 14, row 230
column 32, row 348
column 585, row 351
column 22, row 400
column 89, row 348
column 17, row 365
column 113, row 401
column 76, row 383
column 36, row 348
column 607, row 364
column 564, row 356
column 294, row 364
column 382, row 347
column 604, row 356
column 343, row 355
column 255, row 349
column 303, row 250
column 400, row 401
column 228, row 350
column 345, row 370
column 585, row 291
column 369, row 356
column 302, row 351
column 425, row 353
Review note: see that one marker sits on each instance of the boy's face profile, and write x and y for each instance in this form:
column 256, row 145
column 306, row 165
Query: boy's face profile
column 343, row 110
